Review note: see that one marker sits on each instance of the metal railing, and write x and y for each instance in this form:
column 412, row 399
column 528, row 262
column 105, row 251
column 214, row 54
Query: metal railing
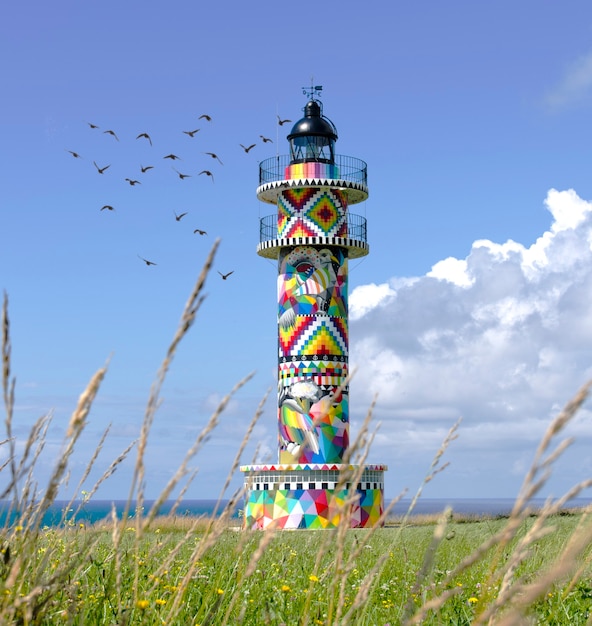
column 350, row 169
column 356, row 228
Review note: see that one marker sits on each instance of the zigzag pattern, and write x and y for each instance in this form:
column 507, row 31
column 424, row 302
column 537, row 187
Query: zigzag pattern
column 323, row 373
column 297, row 227
column 289, row 336
column 284, row 215
column 314, row 335
column 295, row 200
column 356, row 191
column 322, row 335
column 276, row 467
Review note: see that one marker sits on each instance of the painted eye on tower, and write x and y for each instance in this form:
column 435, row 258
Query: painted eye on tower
column 305, row 268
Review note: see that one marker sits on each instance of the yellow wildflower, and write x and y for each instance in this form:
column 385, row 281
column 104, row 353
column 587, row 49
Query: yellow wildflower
column 313, row 578
column 142, row 604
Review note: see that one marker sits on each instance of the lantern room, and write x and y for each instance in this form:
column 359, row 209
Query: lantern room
column 313, row 137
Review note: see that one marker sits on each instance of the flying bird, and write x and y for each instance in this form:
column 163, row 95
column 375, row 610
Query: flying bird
column 191, row 133
column 225, row 276
column 108, row 207
column 281, row 122
column 101, row 169
column 133, row 182
column 182, row 176
column 247, row 148
column 204, row 116
column 146, row 260
column 171, row 156
column 266, row 139
column 180, row 216
column 145, row 135
column 145, row 169
column 110, row 132
column 214, row 156
column 92, row 125
column 207, row 173
column 74, row 154
column 201, row 232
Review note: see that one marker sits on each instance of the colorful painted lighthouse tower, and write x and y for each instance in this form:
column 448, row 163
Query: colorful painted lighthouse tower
column 312, row 236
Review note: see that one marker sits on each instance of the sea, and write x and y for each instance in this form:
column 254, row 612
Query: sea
column 63, row 512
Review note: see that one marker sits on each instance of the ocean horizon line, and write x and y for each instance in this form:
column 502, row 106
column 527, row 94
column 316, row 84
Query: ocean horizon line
column 92, row 511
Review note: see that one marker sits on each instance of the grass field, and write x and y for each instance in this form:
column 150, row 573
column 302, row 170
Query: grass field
column 217, row 575
column 528, row 568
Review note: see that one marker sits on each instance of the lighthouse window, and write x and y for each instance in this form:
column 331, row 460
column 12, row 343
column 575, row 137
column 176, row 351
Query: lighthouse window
column 312, row 148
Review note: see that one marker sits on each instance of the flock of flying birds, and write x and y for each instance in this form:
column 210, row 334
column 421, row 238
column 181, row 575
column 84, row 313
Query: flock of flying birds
column 101, row 169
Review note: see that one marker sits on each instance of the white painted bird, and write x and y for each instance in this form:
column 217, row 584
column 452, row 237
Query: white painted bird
column 296, row 426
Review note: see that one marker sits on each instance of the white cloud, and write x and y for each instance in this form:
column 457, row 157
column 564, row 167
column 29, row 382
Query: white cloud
column 504, row 351
column 575, row 85
column 453, row 270
column 367, row 297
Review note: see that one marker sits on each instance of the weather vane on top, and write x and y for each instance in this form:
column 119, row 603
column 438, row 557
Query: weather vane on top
column 312, row 91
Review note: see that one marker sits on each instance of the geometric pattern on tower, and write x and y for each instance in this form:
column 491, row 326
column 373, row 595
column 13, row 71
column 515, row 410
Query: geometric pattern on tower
column 311, row 508
column 322, row 373
column 311, row 212
column 314, row 335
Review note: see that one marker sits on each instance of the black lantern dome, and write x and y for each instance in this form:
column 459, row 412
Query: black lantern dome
column 313, row 137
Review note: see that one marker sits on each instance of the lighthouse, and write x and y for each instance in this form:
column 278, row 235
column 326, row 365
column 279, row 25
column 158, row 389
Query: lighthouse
column 312, row 235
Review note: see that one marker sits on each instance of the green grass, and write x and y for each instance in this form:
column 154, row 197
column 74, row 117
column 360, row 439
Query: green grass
column 156, row 580
column 528, row 568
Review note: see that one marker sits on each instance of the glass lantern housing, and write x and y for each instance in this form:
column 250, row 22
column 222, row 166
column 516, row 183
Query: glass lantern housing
column 313, row 137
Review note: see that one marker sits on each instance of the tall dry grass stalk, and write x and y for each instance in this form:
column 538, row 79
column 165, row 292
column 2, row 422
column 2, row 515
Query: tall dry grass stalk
column 187, row 319
column 510, row 595
column 26, row 578
column 8, row 383
column 30, row 503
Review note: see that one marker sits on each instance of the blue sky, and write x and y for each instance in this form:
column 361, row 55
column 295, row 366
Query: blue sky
column 474, row 119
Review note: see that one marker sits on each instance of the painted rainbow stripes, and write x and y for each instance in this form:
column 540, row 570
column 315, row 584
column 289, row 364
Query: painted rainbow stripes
column 311, row 170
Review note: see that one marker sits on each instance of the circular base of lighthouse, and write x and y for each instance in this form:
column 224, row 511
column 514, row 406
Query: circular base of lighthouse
column 313, row 496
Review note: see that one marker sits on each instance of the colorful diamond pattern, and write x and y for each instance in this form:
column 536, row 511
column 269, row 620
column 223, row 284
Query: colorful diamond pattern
column 312, row 211
column 323, row 213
